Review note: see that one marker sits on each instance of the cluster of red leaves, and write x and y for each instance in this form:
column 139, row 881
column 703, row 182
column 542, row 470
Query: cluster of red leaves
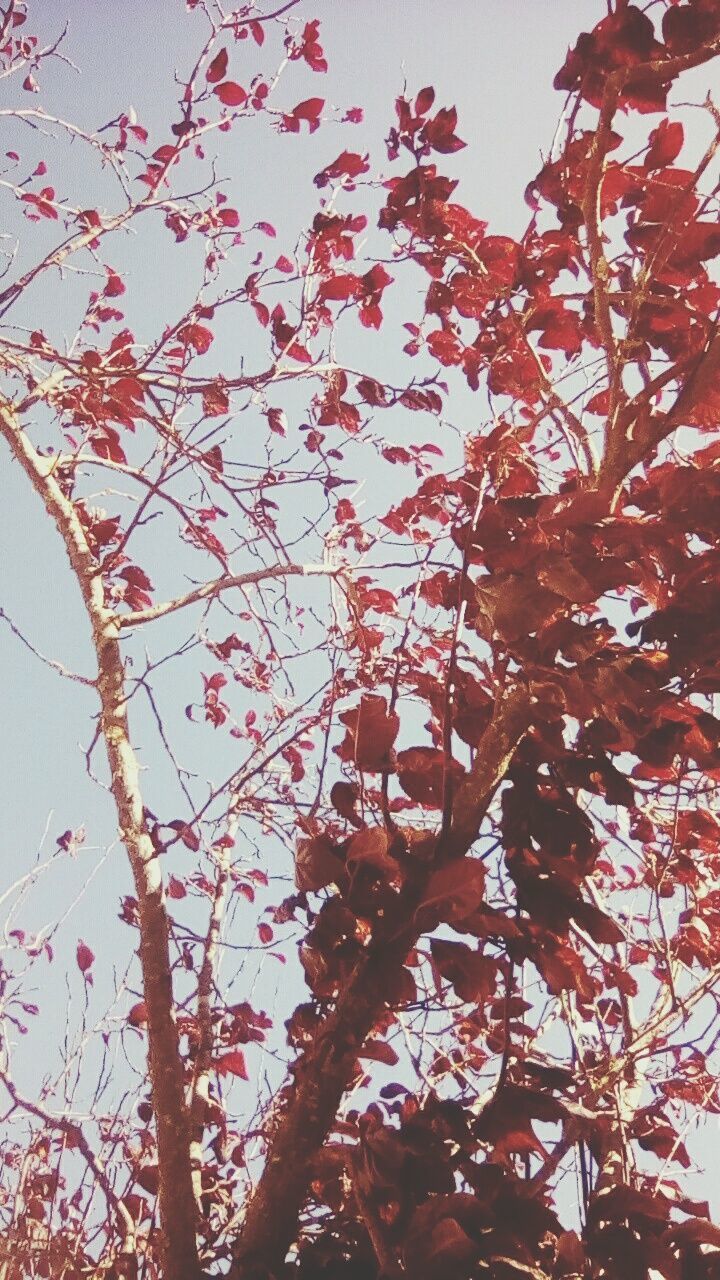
column 626, row 40
column 307, row 47
column 620, row 715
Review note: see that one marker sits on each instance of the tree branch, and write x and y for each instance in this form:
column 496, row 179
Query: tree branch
column 175, row 1192
column 323, row 1072
column 226, row 583
column 77, row 1138
column 200, row 1093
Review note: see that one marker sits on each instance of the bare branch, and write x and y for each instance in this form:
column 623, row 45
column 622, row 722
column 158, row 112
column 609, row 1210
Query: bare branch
column 210, row 590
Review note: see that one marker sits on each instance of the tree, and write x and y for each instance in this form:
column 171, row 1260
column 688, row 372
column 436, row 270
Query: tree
column 468, row 752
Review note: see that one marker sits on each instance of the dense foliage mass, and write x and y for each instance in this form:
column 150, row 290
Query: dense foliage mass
column 462, row 677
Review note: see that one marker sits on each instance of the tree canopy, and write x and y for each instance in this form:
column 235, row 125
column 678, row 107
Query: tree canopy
column 397, row 546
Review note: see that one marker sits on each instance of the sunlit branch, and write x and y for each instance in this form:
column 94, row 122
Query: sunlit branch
column 212, row 589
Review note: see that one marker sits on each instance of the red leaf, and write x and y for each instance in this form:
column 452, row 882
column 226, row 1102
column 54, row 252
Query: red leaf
column 84, row 956
column 197, row 336
column 265, row 933
column 349, row 164
column 440, row 132
column 665, row 145
column 379, row 1051
column 371, row 316
column 417, row 400
column 165, row 153
column 218, row 67
column 277, row 421
column 309, row 47
column 339, row 288
column 215, row 402
column 136, row 577
column 186, row 834
column 137, row 1016
column 452, row 893
column 309, row 110
column 424, row 101
column 114, row 286
column 370, row 847
column 472, row 974
column 41, row 202
column 421, row 774
column 148, row 1177
column 176, row 888
column 344, row 798
column 317, row 864
column 233, row 1064
column 372, row 392
column 371, row 732
column 230, row 94
column 375, row 280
